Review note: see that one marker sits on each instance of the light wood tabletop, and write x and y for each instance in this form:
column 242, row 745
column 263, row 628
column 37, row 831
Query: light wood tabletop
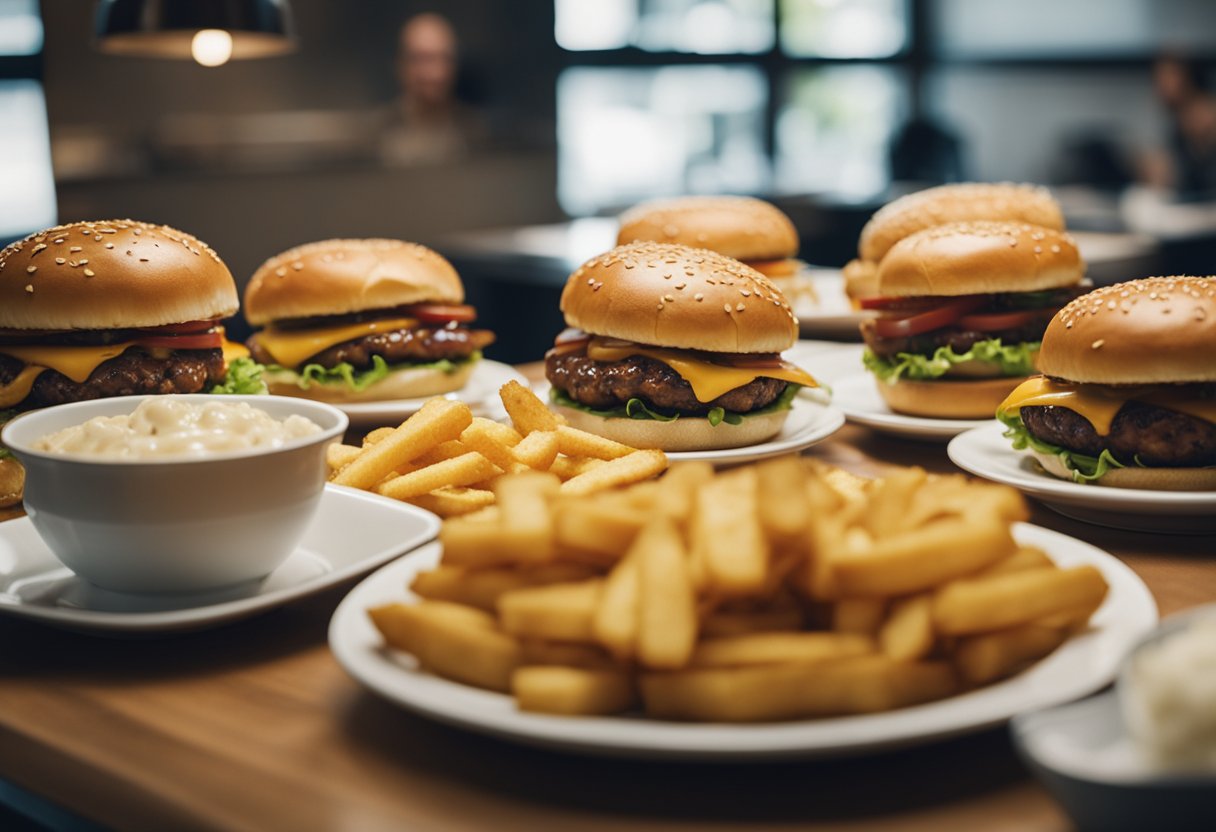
column 254, row 726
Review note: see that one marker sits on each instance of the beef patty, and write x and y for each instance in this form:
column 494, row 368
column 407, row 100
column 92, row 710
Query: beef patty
column 422, row 345
column 135, row 372
column 607, row 384
column 957, row 339
column 1156, row 436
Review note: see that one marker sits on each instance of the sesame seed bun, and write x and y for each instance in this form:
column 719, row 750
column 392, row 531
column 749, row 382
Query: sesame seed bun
column 685, row 434
column 957, row 203
column 737, row 226
column 1152, row 331
column 977, row 399
column 968, row 258
column 112, row 274
column 675, row 296
column 338, row 277
column 860, row 280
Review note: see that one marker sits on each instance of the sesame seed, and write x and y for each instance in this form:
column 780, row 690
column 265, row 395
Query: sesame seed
column 84, row 262
column 297, row 266
column 29, row 287
column 726, row 308
column 31, row 269
column 88, row 272
column 680, row 285
column 745, row 293
column 143, row 259
column 739, row 307
column 109, row 245
column 698, row 297
column 669, row 298
column 38, row 248
column 280, row 271
column 75, row 248
column 1097, row 345
column 61, row 261
column 138, row 231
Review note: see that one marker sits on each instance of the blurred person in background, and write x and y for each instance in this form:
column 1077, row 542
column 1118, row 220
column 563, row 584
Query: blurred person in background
column 1188, row 163
column 428, row 122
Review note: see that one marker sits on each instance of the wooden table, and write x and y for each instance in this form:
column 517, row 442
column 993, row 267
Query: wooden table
column 254, row 726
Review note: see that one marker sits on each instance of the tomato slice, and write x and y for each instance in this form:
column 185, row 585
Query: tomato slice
column 197, row 341
column 996, row 321
column 188, row 328
column 927, row 321
column 442, row 313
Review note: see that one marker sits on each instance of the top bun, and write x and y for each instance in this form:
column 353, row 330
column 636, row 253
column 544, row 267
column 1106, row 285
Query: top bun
column 737, row 226
column 337, row 277
column 957, row 203
column 676, row 296
column 112, row 274
column 971, row 258
column 1157, row 330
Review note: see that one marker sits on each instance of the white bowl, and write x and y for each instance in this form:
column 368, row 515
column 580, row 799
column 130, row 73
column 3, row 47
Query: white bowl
column 173, row 525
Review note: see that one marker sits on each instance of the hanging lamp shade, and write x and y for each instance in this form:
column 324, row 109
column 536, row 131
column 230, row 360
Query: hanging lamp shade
column 171, row 28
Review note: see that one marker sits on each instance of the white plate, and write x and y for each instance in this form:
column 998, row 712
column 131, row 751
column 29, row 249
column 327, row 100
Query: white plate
column 1082, row 665
column 859, row 400
column 351, row 533
column 986, row 453
column 809, row 423
column 480, row 394
column 831, row 315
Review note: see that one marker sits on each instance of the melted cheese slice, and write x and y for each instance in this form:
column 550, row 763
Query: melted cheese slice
column 1100, row 404
column 708, row 380
column 232, row 351
column 77, row 363
column 17, row 389
column 290, row 348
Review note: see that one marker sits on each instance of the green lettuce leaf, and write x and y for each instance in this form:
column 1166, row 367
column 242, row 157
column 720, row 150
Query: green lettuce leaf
column 244, row 378
column 1012, row 359
column 1085, row 469
column 360, row 380
column 638, row 409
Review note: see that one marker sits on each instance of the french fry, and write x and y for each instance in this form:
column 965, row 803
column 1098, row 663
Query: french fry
column 985, row 658
column 779, row 648
column 907, row 634
column 374, row 436
column 602, row 528
column 539, row 651
column 727, row 539
column 995, row 603
column 453, row 501
column 568, row 467
column 667, row 613
column 438, row 421
column 639, row 465
column 918, row 559
column 481, row 588
column 1074, row 619
column 527, row 412
column 473, row 540
column 1025, row 557
column 729, row 623
column 676, row 489
column 488, row 439
column 615, row 623
column 444, row 450
column 891, row 498
column 459, row 643
column 785, row 509
column 574, row 442
column 463, row 470
column 525, row 503
column 561, row 612
column 859, row 615
column 573, row 691
column 338, row 455
column 537, row 450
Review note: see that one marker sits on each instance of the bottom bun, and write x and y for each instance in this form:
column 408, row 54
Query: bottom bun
column 400, row 384
column 1154, row 479
column 690, row 433
column 949, row 399
column 12, row 482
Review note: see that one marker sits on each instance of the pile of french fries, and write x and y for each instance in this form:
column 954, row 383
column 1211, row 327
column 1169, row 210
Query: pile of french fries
column 782, row 590
column 446, row 460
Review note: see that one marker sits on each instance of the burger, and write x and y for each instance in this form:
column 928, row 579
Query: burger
column 362, row 320
column 750, row 230
column 1128, row 392
column 966, row 202
column 90, row 310
column 961, row 312
column 675, row 348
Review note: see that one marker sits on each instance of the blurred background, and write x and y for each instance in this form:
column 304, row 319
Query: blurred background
column 508, row 134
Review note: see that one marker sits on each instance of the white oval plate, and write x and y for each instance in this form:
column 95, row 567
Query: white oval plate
column 1082, row 665
column 859, row 400
column 986, row 453
column 351, row 533
column 480, row 394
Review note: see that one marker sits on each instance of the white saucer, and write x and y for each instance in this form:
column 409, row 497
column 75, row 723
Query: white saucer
column 480, row 394
column 859, row 399
column 986, row 453
column 1085, row 663
column 830, row 315
column 352, row 532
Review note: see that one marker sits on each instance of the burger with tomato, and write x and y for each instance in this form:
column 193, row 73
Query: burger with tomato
column 1128, row 395
column 750, row 230
column 961, row 312
column 91, row 310
column 362, row 320
column 675, row 348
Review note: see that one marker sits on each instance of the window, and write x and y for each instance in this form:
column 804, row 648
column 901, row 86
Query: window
column 843, row 28
column 27, row 200
column 704, row 27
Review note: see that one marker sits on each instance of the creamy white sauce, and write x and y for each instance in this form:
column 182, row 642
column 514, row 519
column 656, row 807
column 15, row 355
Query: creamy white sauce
column 167, row 427
column 1169, row 697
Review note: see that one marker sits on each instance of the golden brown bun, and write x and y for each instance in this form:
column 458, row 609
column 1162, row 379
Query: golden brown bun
column 685, row 434
column 956, row 203
column 336, row 277
column 675, row 296
column 12, row 482
column 112, row 274
column 1156, row 479
column 949, row 399
column 860, row 280
column 402, row 384
column 1151, row 331
column 971, row 258
column 737, row 226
